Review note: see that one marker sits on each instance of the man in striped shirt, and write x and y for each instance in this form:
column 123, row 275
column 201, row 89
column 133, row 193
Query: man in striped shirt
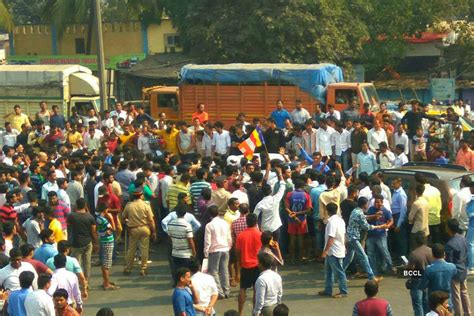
column 61, row 210
column 7, row 212
column 196, row 187
column 183, row 247
column 181, row 186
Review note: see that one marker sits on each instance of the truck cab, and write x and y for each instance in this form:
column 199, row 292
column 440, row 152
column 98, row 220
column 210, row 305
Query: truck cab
column 340, row 94
column 163, row 99
column 84, row 104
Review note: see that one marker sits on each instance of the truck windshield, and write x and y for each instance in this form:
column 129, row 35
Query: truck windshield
column 370, row 94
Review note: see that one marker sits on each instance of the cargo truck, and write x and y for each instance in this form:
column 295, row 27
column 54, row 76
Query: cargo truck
column 254, row 89
column 64, row 85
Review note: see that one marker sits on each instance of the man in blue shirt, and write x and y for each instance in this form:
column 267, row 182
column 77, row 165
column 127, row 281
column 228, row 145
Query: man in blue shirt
column 319, row 226
column 439, row 274
column 456, row 252
column 280, row 115
column 316, row 162
column 184, row 294
column 47, row 249
column 16, row 300
column 377, row 238
column 399, row 213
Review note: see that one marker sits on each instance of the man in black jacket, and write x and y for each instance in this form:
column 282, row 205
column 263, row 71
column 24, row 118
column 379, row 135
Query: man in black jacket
column 274, row 137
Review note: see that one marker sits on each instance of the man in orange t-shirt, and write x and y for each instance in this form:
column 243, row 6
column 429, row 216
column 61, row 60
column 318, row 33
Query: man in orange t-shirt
column 465, row 155
column 247, row 246
column 200, row 114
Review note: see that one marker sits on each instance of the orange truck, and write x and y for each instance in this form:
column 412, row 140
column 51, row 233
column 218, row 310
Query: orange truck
column 254, row 89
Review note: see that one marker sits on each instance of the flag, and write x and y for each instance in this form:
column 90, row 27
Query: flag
column 247, row 147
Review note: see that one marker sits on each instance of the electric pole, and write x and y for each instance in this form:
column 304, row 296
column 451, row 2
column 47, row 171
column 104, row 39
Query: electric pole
column 100, row 57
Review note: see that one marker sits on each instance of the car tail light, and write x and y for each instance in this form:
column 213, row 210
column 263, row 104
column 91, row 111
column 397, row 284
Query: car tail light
column 450, row 207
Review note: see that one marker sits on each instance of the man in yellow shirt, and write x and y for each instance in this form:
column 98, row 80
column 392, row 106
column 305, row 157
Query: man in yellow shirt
column 55, row 226
column 169, row 136
column 74, row 138
column 17, row 118
column 126, row 136
column 433, row 196
column 232, row 213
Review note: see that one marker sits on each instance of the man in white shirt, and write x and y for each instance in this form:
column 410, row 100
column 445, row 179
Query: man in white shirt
column 9, row 135
column 39, row 302
column 269, row 206
column 165, row 184
column 119, row 112
column 334, row 252
column 50, row 185
column 62, row 194
column 10, row 274
column 63, row 279
column 324, row 136
column 268, row 287
column 400, row 156
column 375, row 136
column 92, row 139
column 143, row 142
column 217, row 243
column 208, row 140
column 460, row 200
column 333, row 112
column 108, row 120
column 221, row 140
column 401, row 138
column 341, row 143
column 386, row 157
column 206, row 287
column 299, row 115
column 309, row 137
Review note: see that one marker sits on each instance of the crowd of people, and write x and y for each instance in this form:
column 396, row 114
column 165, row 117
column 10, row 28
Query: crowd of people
column 312, row 193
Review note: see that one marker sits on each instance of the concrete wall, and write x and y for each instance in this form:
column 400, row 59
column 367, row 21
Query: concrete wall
column 119, row 38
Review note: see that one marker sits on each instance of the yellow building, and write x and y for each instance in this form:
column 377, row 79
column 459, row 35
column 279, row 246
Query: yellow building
column 43, row 44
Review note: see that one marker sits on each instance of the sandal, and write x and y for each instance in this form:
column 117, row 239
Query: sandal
column 339, row 295
column 110, row 287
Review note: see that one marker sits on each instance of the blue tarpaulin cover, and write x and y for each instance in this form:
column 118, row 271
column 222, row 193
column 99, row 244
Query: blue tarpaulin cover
column 310, row 78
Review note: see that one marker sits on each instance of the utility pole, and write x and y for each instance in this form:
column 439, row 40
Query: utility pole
column 100, row 57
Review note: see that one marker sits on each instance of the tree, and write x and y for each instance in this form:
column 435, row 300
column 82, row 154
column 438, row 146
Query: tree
column 390, row 22
column 26, row 11
column 372, row 32
column 6, row 21
column 297, row 31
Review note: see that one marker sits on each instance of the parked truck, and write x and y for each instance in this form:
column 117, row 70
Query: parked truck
column 64, row 85
column 254, row 89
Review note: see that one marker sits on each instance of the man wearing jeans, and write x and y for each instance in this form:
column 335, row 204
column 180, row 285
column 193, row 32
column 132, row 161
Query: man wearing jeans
column 419, row 259
column 217, row 243
column 377, row 238
column 357, row 223
column 334, row 253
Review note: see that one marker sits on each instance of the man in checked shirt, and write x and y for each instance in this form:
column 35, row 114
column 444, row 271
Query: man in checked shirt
column 238, row 226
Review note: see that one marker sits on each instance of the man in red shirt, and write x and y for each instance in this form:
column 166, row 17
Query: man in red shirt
column 372, row 306
column 247, row 246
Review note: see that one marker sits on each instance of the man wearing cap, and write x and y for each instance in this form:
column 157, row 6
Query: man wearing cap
column 141, row 226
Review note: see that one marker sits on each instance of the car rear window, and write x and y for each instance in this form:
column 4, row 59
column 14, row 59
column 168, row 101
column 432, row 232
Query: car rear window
column 454, row 183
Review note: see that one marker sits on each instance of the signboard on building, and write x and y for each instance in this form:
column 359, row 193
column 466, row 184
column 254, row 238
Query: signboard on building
column 89, row 61
column 443, row 89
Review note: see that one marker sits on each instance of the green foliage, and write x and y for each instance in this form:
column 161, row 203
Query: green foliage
column 268, row 30
column 306, row 31
column 6, row 21
column 26, row 11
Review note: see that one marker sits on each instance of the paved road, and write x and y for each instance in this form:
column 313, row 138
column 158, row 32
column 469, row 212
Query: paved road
column 150, row 295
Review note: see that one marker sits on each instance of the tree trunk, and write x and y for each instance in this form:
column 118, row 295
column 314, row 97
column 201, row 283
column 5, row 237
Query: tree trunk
column 90, row 25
